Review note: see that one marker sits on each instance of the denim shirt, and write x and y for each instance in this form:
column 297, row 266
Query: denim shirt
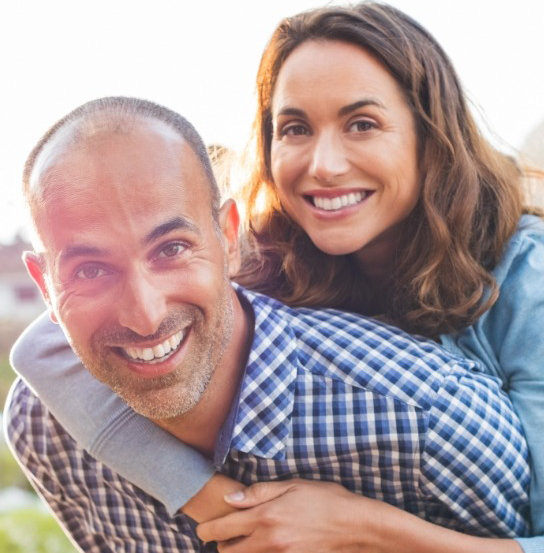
column 508, row 340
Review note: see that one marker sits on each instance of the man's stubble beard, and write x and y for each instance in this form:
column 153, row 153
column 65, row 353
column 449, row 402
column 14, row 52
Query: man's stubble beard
column 177, row 393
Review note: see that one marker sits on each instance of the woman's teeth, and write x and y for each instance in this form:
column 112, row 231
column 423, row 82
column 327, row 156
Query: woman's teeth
column 159, row 351
column 332, row 204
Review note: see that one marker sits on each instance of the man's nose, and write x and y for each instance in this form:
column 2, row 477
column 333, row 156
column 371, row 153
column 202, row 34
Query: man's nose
column 328, row 158
column 142, row 306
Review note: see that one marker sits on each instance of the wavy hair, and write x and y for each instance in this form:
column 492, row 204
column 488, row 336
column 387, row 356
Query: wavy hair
column 469, row 205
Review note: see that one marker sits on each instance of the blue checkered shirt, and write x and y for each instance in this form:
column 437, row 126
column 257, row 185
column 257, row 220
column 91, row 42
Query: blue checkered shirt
column 326, row 395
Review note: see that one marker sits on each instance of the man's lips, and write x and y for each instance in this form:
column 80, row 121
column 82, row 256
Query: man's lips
column 337, row 201
column 157, row 353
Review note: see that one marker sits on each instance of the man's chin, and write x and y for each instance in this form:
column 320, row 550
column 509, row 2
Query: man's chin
column 161, row 403
column 165, row 396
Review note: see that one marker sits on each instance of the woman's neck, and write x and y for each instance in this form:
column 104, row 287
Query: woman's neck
column 377, row 263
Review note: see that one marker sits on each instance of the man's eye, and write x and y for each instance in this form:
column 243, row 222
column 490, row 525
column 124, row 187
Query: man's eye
column 172, row 250
column 90, row 273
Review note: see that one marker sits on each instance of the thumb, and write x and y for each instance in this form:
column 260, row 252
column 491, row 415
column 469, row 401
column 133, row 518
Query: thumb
column 257, row 494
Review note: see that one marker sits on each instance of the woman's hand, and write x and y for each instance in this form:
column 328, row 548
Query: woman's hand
column 209, row 503
column 294, row 515
column 306, row 516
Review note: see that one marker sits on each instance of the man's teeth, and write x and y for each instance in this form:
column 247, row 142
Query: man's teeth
column 332, row 204
column 156, row 352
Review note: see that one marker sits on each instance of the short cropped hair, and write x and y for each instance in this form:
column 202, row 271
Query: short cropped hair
column 122, row 110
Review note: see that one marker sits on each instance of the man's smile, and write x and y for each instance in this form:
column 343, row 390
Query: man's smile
column 156, row 354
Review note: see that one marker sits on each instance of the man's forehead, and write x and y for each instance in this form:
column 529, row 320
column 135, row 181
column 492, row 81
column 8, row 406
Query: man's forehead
column 115, row 178
column 110, row 227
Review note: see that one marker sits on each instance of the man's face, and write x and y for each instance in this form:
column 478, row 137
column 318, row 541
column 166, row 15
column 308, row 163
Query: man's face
column 137, row 270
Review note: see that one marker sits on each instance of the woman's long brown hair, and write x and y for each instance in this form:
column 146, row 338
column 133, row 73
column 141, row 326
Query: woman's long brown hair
column 470, row 202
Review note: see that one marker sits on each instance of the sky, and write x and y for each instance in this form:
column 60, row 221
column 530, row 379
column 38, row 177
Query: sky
column 200, row 59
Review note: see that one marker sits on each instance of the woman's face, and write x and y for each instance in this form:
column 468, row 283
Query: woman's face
column 344, row 149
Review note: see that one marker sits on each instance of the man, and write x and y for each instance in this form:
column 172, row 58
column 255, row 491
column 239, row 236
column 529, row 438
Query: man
column 133, row 256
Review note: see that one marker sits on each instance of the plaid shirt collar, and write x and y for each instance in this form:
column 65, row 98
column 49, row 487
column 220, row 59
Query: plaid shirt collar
column 267, row 392
column 259, row 421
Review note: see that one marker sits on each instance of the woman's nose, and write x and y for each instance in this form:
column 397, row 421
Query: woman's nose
column 329, row 159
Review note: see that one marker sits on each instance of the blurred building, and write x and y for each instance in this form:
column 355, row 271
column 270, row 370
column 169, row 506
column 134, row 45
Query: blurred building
column 532, row 151
column 532, row 160
column 20, row 300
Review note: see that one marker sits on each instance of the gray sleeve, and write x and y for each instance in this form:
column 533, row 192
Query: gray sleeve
column 102, row 423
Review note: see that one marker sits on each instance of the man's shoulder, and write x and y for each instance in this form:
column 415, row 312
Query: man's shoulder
column 21, row 400
column 34, row 435
column 44, row 447
column 326, row 322
column 359, row 351
column 25, row 416
column 337, row 332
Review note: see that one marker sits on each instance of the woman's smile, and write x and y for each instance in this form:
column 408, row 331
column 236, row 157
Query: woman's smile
column 344, row 149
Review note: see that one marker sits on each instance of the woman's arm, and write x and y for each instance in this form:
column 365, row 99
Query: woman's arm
column 514, row 330
column 298, row 515
column 509, row 342
column 112, row 432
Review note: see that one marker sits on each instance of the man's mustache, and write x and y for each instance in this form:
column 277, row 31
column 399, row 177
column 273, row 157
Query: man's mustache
column 122, row 335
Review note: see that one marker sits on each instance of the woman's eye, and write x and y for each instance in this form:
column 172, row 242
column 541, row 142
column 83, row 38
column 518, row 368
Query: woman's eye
column 172, row 250
column 294, row 130
column 90, row 273
column 362, row 126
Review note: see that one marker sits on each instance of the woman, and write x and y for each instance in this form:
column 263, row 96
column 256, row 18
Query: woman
column 374, row 172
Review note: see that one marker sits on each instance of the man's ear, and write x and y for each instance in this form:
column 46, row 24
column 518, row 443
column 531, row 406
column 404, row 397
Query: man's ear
column 229, row 221
column 35, row 266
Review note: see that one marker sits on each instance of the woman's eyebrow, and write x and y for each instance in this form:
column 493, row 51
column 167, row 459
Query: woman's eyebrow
column 293, row 112
column 360, row 104
column 297, row 112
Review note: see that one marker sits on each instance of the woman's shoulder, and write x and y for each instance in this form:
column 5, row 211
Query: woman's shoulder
column 530, row 226
column 507, row 338
column 523, row 257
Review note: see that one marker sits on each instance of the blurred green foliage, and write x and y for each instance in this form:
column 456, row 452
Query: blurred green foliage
column 10, row 473
column 9, row 331
column 32, row 531
column 6, row 378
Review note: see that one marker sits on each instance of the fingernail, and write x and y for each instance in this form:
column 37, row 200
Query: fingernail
column 235, row 496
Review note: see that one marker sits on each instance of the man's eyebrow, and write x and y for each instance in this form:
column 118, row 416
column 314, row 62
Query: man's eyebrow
column 177, row 223
column 360, row 104
column 80, row 250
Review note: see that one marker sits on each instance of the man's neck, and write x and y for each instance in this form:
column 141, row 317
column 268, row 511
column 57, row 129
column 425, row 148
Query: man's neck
column 199, row 427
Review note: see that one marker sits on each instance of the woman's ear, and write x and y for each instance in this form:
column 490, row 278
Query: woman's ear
column 35, row 266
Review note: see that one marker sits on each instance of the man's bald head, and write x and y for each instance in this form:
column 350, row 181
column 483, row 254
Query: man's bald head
column 132, row 254
column 105, row 115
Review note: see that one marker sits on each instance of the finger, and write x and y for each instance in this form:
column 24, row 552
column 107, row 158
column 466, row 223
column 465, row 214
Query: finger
column 258, row 493
column 244, row 545
column 231, row 546
column 235, row 525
